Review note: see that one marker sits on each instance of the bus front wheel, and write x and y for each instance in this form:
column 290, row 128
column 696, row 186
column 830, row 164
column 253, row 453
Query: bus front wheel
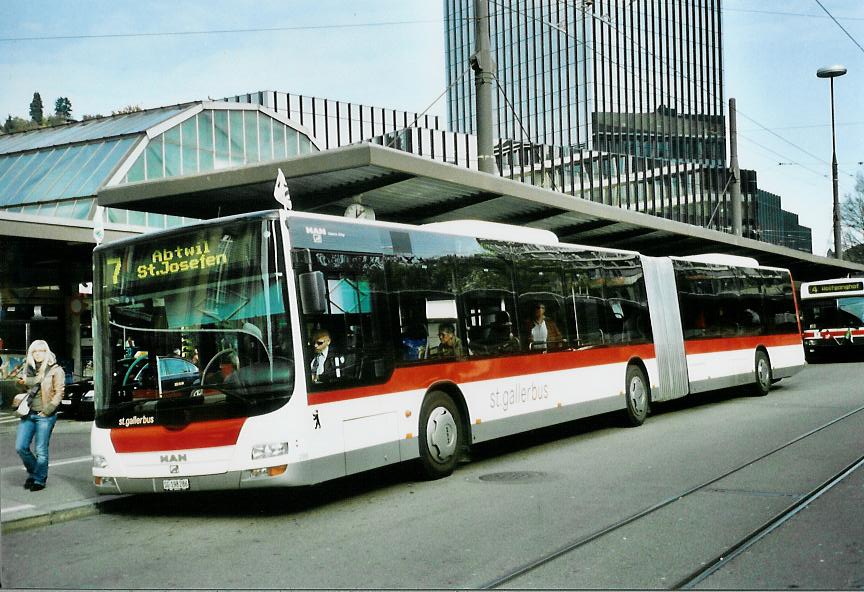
column 440, row 435
column 764, row 376
column 637, row 394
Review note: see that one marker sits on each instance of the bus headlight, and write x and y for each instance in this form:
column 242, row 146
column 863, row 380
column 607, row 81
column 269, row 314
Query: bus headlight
column 269, row 450
column 99, row 461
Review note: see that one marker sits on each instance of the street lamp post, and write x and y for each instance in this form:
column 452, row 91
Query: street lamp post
column 832, row 72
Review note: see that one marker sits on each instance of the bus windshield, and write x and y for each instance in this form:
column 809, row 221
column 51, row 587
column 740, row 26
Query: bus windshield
column 833, row 313
column 195, row 325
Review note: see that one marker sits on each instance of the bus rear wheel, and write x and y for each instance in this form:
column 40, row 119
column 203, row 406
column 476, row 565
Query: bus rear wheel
column 764, row 376
column 637, row 395
column 440, row 435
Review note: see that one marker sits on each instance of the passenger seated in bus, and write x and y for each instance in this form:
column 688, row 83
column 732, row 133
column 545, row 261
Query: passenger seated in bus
column 542, row 333
column 327, row 364
column 501, row 335
column 450, row 346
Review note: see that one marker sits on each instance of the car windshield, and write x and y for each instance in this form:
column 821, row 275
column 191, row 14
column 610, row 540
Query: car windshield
column 197, row 324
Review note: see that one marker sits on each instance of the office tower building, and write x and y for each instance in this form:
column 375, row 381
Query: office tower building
column 616, row 101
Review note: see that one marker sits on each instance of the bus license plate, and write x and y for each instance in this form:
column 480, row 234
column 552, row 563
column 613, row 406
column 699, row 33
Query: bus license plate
column 175, row 484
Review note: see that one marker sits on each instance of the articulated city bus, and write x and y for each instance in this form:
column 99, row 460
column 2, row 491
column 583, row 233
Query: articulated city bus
column 832, row 313
column 284, row 348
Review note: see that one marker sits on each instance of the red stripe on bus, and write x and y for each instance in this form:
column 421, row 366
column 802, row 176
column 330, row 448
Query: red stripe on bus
column 422, row 376
column 708, row 346
column 206, row 434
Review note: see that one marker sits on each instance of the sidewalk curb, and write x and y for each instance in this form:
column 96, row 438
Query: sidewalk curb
column 62, row 513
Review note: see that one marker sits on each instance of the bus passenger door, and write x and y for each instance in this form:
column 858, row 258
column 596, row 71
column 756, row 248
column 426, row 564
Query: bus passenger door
column 666, row 326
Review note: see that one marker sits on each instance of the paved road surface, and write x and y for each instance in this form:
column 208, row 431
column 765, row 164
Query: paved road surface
column 517, row 502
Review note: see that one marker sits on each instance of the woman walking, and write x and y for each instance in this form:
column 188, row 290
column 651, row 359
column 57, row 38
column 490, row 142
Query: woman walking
column 44, row 380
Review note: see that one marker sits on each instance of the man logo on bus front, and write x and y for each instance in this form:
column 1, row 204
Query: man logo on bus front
column 317, row 421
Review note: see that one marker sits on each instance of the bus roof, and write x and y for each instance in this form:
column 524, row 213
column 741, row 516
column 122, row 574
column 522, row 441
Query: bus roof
column 471, row 229
column 722, row 259
column 494, row 231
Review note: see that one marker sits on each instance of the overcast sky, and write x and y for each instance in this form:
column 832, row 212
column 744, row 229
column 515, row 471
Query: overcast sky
column 390, row 53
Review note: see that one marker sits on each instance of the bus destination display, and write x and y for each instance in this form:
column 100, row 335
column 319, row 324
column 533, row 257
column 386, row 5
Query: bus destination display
column 165, row 262
column 836, row 288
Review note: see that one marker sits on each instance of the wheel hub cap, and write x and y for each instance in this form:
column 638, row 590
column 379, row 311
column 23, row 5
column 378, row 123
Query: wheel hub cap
column 764, row 372
column 637, row 395
column 441, row 434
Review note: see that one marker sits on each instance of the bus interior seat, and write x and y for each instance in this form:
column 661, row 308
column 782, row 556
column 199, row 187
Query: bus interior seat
column 415, row 339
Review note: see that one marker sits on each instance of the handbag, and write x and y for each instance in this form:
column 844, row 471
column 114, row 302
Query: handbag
column 22, row 402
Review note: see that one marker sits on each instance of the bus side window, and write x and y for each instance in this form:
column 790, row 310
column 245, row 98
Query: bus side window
column 357, row 318
column 540, row 290
column 586, row 306
column 421, row 297
column 489, row 304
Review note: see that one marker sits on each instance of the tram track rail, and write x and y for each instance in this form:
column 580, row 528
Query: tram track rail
column 732, row 551
column 693, row 579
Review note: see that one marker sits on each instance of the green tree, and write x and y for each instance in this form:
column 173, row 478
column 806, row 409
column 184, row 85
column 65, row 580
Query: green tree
column 36, row 113
column 17, row 124
column 63, row 108
column 127, row 109
column 852, row 218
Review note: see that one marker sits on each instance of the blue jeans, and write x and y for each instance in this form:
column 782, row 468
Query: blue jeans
column 39, row 427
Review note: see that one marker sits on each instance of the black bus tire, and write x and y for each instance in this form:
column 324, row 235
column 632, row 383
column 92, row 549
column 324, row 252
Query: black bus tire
column 440, row 435
column 764, row 376
column 637, row 394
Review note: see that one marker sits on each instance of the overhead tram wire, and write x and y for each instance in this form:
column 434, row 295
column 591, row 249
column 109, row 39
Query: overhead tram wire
column 783, row 156
column 214, row 31
column 842, row 28
column 773, row 133
column 782, row 13
column 811, row 126
column 432, row 104
column 438, row 98
column 521, row 125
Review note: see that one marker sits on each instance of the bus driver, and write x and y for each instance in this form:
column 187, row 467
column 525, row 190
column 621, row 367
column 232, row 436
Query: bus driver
column 327, row 363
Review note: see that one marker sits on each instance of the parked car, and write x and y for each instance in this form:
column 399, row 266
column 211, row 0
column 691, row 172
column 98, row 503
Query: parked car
column 134, row 373
column 77, row 400
column 174, row 375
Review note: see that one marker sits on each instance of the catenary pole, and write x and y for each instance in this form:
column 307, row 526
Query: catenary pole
column 735, row 170
column 484, row 80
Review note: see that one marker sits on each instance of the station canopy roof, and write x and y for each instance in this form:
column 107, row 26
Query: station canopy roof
column 402, row 187
column 52, row 174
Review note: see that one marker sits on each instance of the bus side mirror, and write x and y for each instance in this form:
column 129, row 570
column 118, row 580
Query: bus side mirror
column 313, row 295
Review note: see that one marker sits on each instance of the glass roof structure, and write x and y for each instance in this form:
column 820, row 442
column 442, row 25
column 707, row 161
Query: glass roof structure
column 58, row 171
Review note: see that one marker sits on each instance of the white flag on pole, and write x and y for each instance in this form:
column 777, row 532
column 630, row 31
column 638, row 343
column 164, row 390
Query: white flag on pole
column 99, row 225
column 280, row 191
